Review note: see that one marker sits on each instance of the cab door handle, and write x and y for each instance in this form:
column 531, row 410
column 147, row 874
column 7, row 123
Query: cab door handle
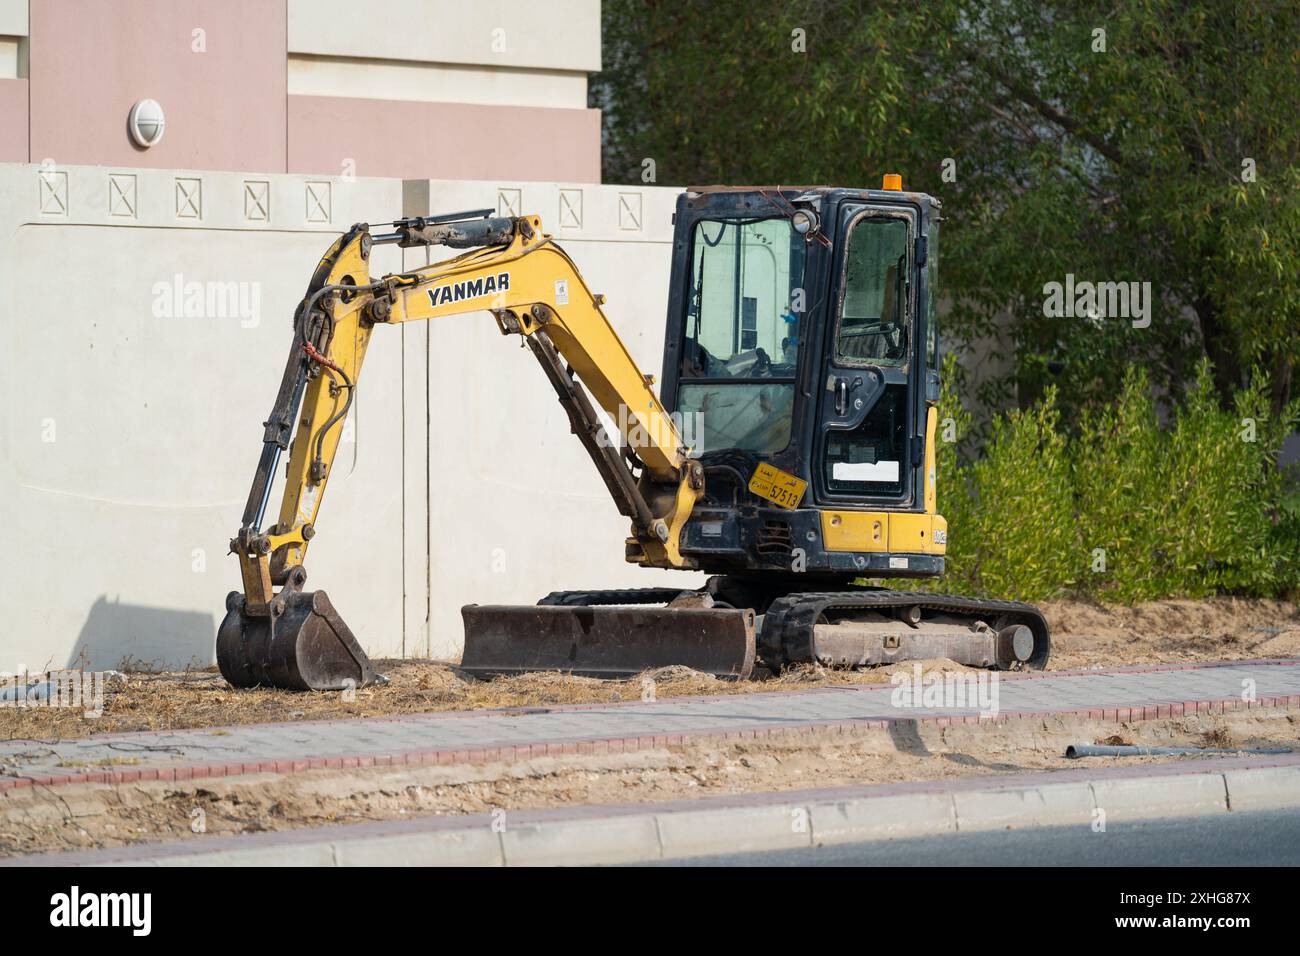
column 842, row 390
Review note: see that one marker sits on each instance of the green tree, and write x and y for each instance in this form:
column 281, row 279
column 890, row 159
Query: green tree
column 1152, row 141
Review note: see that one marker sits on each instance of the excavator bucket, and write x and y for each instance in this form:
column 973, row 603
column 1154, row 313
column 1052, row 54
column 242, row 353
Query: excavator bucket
column 610, row 642
column 302, row 644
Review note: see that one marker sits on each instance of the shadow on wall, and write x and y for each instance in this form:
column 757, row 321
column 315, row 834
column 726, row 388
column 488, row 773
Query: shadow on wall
column 119, row 636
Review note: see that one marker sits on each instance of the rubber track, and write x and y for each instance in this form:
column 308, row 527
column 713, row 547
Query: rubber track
column 789, row 621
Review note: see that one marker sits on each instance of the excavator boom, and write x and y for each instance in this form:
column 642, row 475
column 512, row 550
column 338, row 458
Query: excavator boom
column 294, row 638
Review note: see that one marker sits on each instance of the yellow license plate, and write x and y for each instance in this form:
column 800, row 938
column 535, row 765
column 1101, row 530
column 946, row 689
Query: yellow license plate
column 777, row 486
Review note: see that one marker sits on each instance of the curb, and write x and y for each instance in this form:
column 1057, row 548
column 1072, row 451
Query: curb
column 585, row 836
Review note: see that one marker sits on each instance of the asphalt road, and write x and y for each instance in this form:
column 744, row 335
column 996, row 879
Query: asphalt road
column 1224, row 839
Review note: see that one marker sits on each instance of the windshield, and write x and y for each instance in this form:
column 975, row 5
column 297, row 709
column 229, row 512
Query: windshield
column 742, row 317
column 741, row 340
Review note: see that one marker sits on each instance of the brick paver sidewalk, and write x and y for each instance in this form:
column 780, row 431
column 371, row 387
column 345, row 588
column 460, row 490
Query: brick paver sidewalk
column 1126, row 694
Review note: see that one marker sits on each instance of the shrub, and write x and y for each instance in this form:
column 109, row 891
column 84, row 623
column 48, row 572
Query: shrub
column 1010, row 513
column 1120, row 494
column 1125, row 511
column 1022, row 541
column 1218, row 518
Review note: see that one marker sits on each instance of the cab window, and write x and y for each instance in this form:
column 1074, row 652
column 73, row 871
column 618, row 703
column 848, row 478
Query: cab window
column 874, row 300
column 742, row 334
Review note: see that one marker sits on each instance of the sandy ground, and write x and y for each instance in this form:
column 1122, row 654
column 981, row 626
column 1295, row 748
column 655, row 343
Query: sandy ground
column 87, row 816
column 1218, row 629
column 1083, row 636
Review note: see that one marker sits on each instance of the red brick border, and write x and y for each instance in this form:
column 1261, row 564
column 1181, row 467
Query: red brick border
column 615, row 745
column 705, row 698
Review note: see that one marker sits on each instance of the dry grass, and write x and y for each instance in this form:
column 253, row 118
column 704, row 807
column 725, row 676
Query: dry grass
column 170, row 701
column 1084, row 636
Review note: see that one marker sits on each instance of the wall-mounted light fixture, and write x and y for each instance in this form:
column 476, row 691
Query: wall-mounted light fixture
column 146, row 123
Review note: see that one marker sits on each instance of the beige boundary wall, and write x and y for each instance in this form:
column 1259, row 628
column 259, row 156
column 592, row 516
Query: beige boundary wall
column 143, row 329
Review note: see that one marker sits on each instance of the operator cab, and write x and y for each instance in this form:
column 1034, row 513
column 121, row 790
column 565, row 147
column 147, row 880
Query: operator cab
column 801, row 337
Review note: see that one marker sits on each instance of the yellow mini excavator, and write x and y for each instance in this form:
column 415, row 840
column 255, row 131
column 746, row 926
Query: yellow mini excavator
column 790, row 452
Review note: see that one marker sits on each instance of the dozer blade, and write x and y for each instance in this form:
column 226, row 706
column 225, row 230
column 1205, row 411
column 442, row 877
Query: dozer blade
column 610, row 642
column 302, row 644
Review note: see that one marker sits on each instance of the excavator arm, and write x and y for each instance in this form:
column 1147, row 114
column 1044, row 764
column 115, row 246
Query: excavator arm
column 532, row 289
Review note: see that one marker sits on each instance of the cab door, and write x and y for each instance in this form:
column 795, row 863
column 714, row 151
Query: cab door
column 871, row 416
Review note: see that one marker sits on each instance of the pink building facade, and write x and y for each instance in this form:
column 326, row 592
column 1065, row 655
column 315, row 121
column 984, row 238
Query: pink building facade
column 443, row 89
